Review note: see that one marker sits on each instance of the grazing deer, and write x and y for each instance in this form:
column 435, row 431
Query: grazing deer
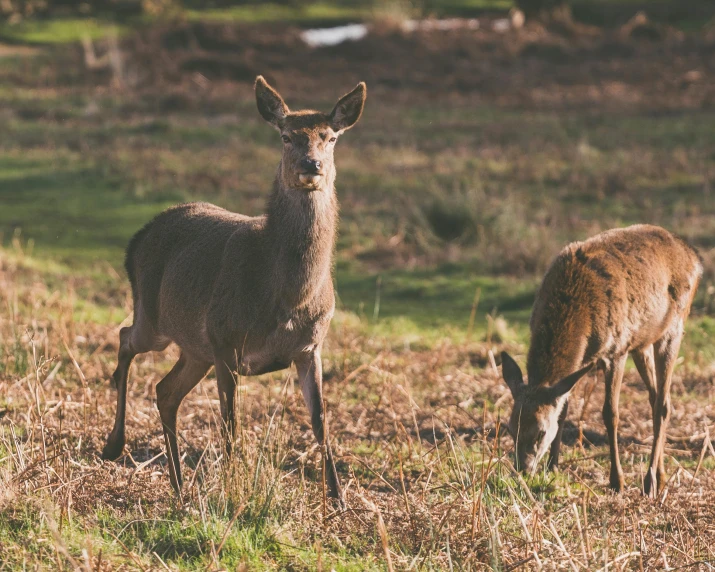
column 623, row 291
column 246, row 295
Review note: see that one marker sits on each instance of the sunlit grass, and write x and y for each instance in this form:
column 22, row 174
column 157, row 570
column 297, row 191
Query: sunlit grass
column 61, row 30
column 271, row 12
column 415, row 429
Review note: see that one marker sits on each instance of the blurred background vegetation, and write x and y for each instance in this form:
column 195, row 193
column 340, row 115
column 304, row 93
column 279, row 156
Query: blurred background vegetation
column 484, row 148
column 597, row 12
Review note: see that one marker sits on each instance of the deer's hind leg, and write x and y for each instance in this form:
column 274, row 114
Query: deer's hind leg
column 645, row 364
column 665, row 355
column 136, row 339
column 170, row 392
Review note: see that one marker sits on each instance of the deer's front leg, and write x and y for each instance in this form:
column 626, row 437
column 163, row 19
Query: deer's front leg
column 310, row 374
column 226, row 382
column 614, row 376
column 553, row 463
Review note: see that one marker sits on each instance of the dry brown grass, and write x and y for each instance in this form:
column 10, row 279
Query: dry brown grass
column 457, row 123
column 429, row 483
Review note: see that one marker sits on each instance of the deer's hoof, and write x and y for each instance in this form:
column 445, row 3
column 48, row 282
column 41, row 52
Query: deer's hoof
column 113, row 449
column 616, row 483
column 340, row 500
column 616, row 486
column 336, row 492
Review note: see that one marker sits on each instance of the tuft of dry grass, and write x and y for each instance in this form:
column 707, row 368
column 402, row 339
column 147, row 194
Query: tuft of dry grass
column 426, row 466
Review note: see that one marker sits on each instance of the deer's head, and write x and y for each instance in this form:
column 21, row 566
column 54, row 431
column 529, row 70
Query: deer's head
column 309, row 137
column 534, row 421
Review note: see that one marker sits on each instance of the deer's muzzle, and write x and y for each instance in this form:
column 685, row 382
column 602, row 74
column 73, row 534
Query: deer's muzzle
column 310, row 180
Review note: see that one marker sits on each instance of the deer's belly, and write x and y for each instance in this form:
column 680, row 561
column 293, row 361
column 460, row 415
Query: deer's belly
column 281, row 347
column 639, row 330
column 258, row 364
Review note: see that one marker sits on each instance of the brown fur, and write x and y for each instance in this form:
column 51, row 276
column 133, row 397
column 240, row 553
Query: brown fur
column 247, row 295
column 623, row 291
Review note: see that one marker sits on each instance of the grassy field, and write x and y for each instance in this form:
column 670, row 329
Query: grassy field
column 455, row 194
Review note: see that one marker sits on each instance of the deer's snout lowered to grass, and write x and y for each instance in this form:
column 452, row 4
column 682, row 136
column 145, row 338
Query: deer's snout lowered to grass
column 623, row 291
column 246, row 295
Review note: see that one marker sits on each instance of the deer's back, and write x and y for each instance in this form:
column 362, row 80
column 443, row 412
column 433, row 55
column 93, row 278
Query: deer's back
column 174, row 260
column 618, row 291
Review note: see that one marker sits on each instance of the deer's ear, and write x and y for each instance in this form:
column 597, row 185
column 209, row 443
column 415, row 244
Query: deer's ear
column 270, row 104
column 511, row 373
column 348, row 109
column 566, row 384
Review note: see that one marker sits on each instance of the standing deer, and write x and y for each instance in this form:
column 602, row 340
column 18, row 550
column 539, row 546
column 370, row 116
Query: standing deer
column 623, row 291
column 246, row 295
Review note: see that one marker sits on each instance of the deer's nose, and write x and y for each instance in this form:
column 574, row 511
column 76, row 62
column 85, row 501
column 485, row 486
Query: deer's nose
column 311, row 166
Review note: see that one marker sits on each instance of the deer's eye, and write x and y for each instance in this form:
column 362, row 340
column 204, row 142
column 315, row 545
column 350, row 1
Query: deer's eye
column 286, row 139
column 333, row 139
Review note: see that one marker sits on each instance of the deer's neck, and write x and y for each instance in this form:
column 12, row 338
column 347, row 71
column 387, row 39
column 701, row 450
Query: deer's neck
column 301, row 228
column 556, row 351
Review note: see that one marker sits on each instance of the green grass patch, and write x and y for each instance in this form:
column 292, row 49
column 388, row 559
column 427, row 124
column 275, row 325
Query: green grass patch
column 430, row 303
column 315, row 12
column 59, row 30
column 69, row 208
